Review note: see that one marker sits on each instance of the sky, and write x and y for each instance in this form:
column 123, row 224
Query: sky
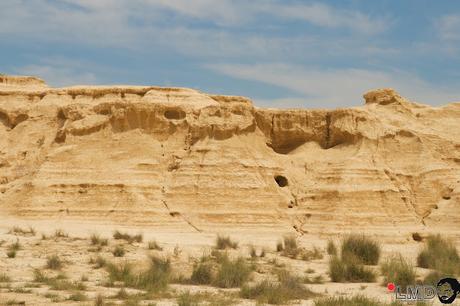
column 279, row 53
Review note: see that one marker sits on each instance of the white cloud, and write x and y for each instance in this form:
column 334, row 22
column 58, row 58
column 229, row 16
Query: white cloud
column 337, row 87
column 449, row 27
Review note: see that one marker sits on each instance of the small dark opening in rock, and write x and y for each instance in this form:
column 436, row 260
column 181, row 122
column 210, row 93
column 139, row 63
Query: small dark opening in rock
column 281, row 180
column 174, row 114
column 446, row 197
column 174, row 214
column 416, row 237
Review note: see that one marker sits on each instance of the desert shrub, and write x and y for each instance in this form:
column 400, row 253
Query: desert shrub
column 98, row 262
column 97, row 240
column 287, row 288
column 54, row 262
column 349, row 271
column 118, row 251
column 224, row 242
column 57, row 283
column 127, row 237
column 331, row 248
column 202, row 274
column 232, row 273
column 439, row 254
column 12, row 249
column 366, row 250
column 155, row 277
column 290, row 247
column 253, row 251
column 153, row 245
column 315, row 280
column 397, row 270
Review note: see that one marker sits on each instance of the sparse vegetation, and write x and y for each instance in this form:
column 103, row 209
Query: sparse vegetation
column 12, row 249
column 232, row 273
column 202, row 274
column 16, row 230
column 288, row 288
column 331, row 248
column 98, row 241
column 349, row 270
column 57, row 283
column 364, row 249
column 11, row 253
column 433, row 278
column 399, row 271
column 127, row 237
column 98, row 262
column 439, row 254
column 118, row 251
column 54, row 263
column 155, row 278
column 224, row 242
column 153, row 245
column 290, row 247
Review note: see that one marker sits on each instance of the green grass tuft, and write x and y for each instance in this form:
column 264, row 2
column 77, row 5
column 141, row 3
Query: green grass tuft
column 364, row 249
column 223, row 243
column 439, row 254
column 232, row 273
column 398, row 271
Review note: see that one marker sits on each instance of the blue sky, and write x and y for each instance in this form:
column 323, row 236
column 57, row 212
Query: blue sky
column 280, row 53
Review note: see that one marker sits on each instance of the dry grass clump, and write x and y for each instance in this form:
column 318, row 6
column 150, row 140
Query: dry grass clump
column 202, row 274
column 127, row 237
column 232, row 273
column 398, row 271
column 153, row 245
column 286, row 289
column 224, row 242
column 331, row 248
column 439, row 254
column 16, row 230
column 364, row 249
column 289, row 248
column 349, row 270
column 54, row 263
column 98, row 241
column 59, row 282
column 98, row 262
column 205, row 298
column 155, row 278
column 12, row 249
column 221, row 271
column 118, row 251
column 253, row 252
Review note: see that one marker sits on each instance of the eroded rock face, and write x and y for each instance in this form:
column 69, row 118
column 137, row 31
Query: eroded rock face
column 180, row 158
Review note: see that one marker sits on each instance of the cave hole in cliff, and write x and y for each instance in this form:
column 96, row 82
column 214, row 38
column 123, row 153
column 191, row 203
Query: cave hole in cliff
column 282, row 181
column 174, row 114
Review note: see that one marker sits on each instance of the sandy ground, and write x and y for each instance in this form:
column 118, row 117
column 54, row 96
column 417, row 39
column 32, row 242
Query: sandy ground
column 183, row 247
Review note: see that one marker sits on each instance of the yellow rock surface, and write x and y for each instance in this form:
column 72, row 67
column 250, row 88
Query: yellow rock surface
column 179, row 158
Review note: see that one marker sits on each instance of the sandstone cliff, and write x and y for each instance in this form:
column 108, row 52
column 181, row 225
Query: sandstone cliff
column 180, row 158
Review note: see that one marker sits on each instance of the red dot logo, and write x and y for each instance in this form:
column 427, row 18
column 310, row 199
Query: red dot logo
column 391, row 287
